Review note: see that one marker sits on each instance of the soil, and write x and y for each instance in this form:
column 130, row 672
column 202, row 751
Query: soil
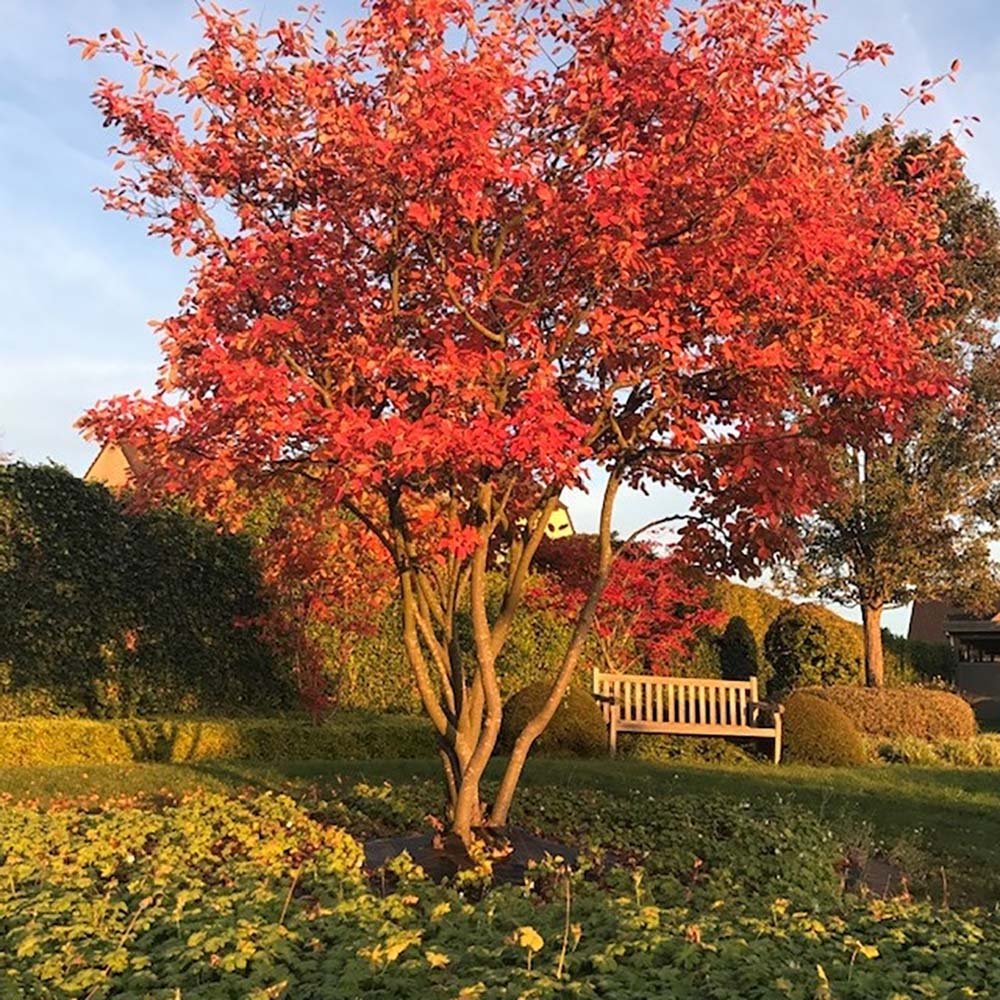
column 876, row 876
column 442, row 856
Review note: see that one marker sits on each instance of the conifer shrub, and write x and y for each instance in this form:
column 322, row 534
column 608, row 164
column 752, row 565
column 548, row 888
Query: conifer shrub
column 739, row 653
column 804, row 651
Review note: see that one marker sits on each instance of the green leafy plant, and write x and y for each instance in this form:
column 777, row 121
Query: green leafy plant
column 577, row 728
column 803, row 651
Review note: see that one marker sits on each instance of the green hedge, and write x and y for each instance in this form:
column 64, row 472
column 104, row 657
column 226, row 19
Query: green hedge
column 87, row 741
column 802, row 649
column 110, row 613
column 374, row 675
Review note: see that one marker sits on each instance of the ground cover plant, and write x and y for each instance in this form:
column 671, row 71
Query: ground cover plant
column 262, row 893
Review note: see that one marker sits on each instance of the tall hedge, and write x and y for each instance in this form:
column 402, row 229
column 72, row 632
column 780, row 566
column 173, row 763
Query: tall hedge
column 108, row 613
column 739, row 653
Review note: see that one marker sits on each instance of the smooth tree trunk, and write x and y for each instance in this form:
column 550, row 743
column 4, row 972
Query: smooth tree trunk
column 871, row 623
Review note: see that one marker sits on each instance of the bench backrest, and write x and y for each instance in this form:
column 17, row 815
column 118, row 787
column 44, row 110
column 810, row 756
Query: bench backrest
column 681, row 700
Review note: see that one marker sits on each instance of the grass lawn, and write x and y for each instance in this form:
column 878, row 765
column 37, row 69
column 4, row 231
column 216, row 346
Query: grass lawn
column 929, row 819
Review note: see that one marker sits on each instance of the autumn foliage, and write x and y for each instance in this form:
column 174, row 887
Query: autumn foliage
column 651, row 610
column 447, row 261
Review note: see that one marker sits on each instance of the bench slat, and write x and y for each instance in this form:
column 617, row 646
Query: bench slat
column 684, row 728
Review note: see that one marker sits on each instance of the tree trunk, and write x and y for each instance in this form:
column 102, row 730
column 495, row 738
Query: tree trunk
column 871, row 618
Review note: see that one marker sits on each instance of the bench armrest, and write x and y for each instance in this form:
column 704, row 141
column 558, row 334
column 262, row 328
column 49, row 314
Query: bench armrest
column 604, row 699
column 771, row 708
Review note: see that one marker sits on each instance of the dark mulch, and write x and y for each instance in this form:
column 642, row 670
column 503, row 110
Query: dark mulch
column 876, row 876
column 442, row 856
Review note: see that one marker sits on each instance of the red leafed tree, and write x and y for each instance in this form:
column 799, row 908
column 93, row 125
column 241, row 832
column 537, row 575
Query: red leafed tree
column 448, row 261
column 650, row 611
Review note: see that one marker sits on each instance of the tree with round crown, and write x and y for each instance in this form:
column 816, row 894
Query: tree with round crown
column 454, row 260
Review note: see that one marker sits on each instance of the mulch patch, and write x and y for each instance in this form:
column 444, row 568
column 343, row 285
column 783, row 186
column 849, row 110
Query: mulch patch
column 877, row 877
column 442, row 856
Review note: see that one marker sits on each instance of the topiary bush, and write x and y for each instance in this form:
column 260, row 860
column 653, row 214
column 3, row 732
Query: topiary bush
column 816, row 731
column 803, row 651
column 920, row 712
column 576, row 730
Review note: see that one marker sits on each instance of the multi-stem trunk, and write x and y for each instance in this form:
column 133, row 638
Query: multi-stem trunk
column 871, row 621
column 463, row 700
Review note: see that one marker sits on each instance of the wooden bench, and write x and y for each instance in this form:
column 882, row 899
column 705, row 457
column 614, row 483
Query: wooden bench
column 685, row 706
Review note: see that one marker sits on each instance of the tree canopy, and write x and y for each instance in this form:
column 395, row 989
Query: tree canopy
column 449, row 260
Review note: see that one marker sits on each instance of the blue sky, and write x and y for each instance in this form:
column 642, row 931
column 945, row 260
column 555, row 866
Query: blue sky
column 79, row 285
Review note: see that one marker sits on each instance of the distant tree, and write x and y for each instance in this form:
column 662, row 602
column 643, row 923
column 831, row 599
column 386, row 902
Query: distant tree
column 739, row 653
column 652, row 610
column 913, row 516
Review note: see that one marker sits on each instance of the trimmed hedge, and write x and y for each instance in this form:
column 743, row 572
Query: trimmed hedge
column 920, row 712
column 818, row 732
column 86, row 741
column 802, row 651
column 577, row 729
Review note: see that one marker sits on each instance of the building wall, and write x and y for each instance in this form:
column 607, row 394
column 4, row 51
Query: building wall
column 559, row 526
column 980, row 683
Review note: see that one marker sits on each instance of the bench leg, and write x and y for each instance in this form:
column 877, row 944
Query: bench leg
column 777, row 739
column 613, row 732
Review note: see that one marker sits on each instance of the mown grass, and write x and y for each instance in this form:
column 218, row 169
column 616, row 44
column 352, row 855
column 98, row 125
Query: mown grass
column 940, row 824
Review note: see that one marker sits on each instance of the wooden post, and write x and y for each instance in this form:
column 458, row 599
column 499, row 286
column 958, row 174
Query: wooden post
column 613, row 731
column 777, row 737
column 753, row 697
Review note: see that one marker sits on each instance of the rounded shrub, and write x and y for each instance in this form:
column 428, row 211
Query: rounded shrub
column 892, row 713
column 803, row 650
column 577, row 729
column 818, row 732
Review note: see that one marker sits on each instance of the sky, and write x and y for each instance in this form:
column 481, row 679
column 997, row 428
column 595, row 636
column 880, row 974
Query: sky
column 79, row 285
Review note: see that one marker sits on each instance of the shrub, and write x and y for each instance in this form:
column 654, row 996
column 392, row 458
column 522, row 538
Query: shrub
column 577, row 729
column 818, row 732
column 739, row 653
column 924, row 713
column 803, row 651
column 86, row 741
column 703, row 660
